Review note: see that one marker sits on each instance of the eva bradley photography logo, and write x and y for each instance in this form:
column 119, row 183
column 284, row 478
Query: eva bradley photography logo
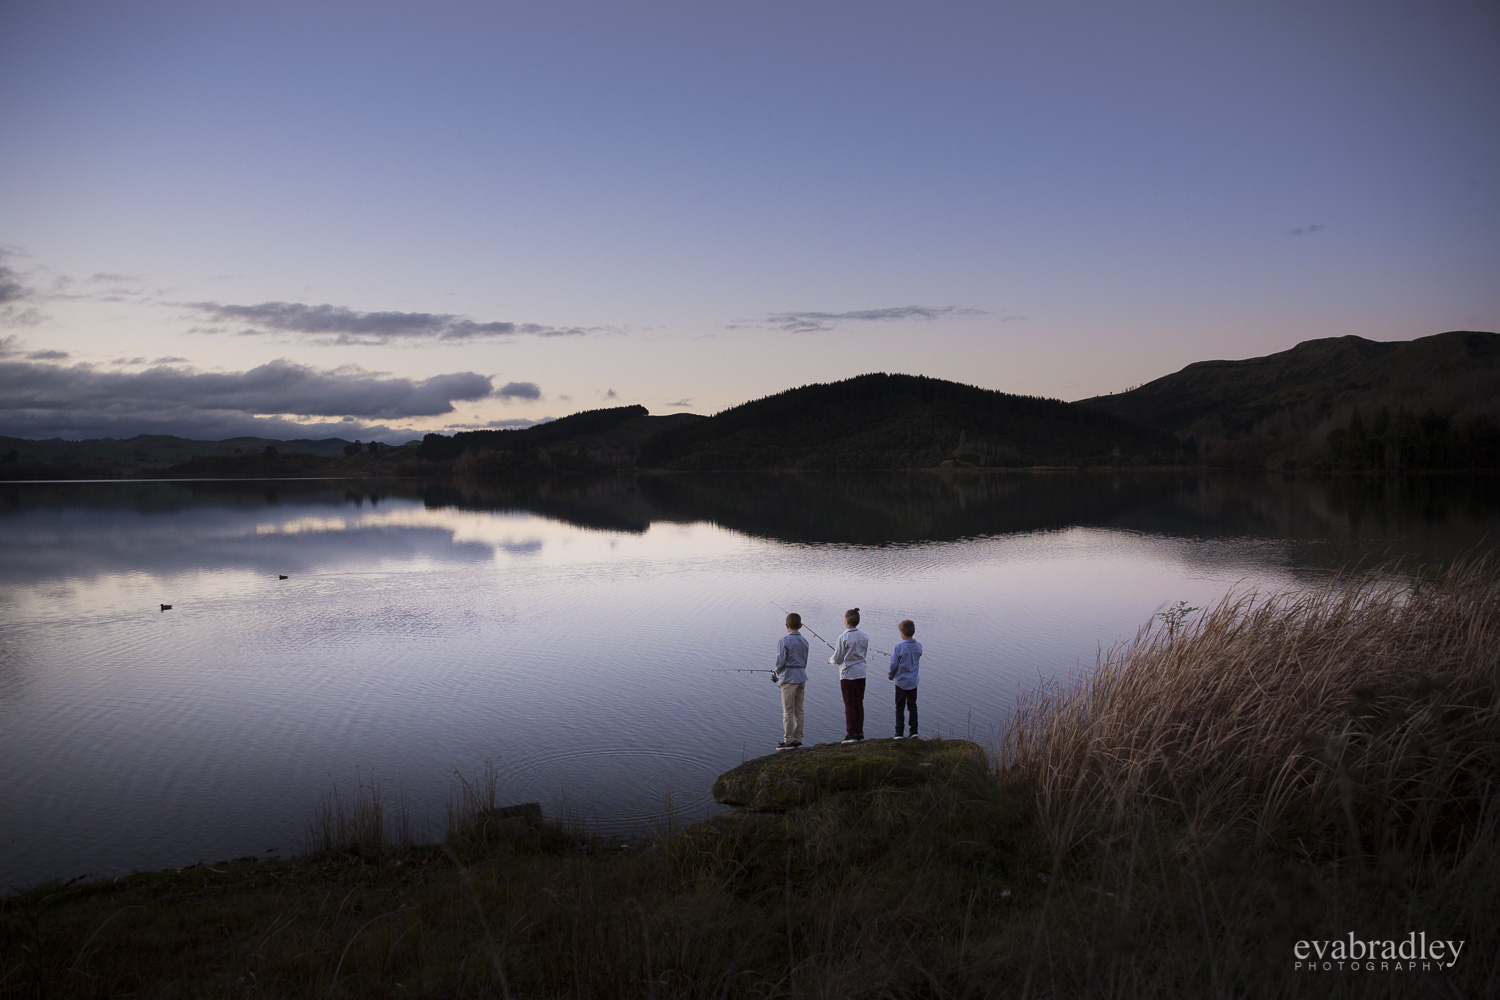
column 1413, row 953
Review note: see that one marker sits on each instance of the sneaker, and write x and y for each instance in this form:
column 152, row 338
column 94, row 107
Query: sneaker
column 785, row 745
column 898, row 736
column 859, row 738
column 795, row 743
column 850, row 739
column 914, row 736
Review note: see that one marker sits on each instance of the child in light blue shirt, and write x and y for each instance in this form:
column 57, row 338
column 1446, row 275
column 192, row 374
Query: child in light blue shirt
column 906, row 658
column 791, row 674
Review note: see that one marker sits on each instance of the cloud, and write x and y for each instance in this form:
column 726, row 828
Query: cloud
column 48, row 355
column 519, row 390
column 818, row 322
column 1312, row 230
column 12, row 288
column 338, row 325
column 169, row 360
column 682, row 403
column 14, row 293
column 611, row 394
column 80, row 400
column 514, row 424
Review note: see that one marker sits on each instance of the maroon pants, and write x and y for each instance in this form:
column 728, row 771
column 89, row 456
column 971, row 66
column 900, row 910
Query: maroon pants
column 854, row 706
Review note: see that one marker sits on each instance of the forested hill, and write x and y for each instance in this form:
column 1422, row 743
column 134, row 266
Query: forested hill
column 885, row 421
column 591, row 440
column 1338, row 403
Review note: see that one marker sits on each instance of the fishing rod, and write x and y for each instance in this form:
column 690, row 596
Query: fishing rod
column 808, row 627
column 824, row 641
column 744, row 670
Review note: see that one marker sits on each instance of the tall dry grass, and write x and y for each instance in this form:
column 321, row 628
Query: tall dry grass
column 476, row 795
column 368, row 823
column 1355, row 719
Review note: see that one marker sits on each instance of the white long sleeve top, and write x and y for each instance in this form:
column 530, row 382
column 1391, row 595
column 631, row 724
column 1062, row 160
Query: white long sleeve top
column 849, row 654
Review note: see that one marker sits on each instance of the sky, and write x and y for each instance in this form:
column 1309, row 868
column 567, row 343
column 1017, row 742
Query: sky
column 380, row 219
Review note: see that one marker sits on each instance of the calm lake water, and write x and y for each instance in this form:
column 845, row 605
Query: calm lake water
column 576, row 633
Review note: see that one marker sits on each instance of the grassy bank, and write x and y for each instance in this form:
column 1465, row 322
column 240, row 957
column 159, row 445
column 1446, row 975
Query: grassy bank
column 1287, row 767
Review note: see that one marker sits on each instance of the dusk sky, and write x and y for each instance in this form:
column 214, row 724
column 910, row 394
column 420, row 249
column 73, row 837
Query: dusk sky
column 379, row 219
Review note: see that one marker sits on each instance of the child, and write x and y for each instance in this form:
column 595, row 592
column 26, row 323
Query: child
column 905, row 659
column 791, row 674
column 849, row 655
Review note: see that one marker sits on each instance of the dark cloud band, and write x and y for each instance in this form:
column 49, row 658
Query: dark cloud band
column 817, row 322
column 71, row 400
column 332, row 324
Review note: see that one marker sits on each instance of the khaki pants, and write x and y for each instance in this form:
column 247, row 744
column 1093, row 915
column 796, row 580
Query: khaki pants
column 791, row 712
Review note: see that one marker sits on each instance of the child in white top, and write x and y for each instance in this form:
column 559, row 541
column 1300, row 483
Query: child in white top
column 849, row 655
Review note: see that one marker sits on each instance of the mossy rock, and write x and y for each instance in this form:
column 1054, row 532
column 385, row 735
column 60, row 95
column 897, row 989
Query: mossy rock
column 790, row 778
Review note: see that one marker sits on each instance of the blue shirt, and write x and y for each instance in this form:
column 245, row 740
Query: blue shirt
column 791, row 659
column 905, row 659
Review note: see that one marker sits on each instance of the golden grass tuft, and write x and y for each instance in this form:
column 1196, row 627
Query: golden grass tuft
column 1354, row 719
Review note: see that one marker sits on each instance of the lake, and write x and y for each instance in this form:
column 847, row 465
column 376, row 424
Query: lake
column 579, row 634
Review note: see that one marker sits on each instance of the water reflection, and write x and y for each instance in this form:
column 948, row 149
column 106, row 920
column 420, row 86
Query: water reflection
column 1432, row 517
column 571, row 628
column 86, row 542
column 129, row 526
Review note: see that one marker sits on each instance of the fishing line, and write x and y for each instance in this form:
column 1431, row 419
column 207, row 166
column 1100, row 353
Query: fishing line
column 808, row 627
column 824, row 641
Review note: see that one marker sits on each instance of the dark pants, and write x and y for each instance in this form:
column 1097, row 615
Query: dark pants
column 906, row 699
column 854, row 706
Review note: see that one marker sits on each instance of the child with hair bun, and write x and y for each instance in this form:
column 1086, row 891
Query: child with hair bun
column 849, row 656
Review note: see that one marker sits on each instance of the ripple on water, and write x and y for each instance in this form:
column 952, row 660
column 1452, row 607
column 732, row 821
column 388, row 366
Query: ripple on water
column 623, row 787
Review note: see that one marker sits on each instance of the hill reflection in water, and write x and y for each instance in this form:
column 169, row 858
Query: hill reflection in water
column 1423, row 517
column 575, row 629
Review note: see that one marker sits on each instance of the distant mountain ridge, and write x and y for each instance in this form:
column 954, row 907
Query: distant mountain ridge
column 1295, row 408
column 160, row 449
column 1341, row 403
column 165, row 455
column 885, row 421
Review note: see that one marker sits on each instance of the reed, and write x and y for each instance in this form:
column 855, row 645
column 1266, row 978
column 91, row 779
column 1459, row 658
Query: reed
column 1355, row 718
column 476, row 795
column 368, row 824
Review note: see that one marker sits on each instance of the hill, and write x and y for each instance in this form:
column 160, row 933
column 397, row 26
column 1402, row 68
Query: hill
column 885, row 421
column 1341, row 403
column 593, row 440
column 168, row 455
column 158, row 449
